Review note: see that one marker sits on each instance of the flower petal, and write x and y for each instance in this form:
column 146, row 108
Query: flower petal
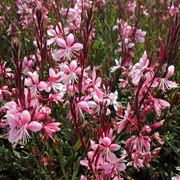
column 58, row 54
column 50, row 41
column 144, row 62
column 106, row 141
column 170, row 71
column 34, row 126
column 77, row 47
column 61, row 43
column 54, row 126
column 25, row 117
column 51, row 32
column 52, row 73
column 73, row 65
column 15, row 135
column 12, row 121
column 70, row 39
column 114, row 147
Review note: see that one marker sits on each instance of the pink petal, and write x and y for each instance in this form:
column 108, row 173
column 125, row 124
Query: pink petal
column 160, row 104
column 70, row 40
column 51, row 32
column 96, row 98
column 54, row 126
column 84, row 163
column 98, row 81
column 10, row 105
column 73, row 65
column 12, row 121
column 156, row 82
column 121, row 125
column 92, row 104
column 25, row 117
column 136, row 78
column 15, row 135
column 77, row 47
column 10, row 117
column 52, row 73
column 61, row 43
column 98, row 93
column 58, row 54
column 34, row 126
column 34, row 76
column 94, row 146
column 170, row 71
column 78, row 71
column 157, row 124
column 171, row 84
column 28, row 82
column 65, row 68
column 66, row 79
column 42, row 86
column 83, row 177
column 91, row 155
column 106, row 141
column 121, row 167
column 164, row 103
column 84, row 105
column 144, row 62
column 50, row 41
column 111, row 157
column 157, row 109
column 114, row 147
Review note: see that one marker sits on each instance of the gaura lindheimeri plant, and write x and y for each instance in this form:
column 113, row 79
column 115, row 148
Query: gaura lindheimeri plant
column 110, row 114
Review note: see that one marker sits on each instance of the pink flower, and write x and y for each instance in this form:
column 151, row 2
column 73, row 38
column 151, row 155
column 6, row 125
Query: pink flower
column 67, row 48
column 70, row 72
column 139, row 36
column 95, row 84
column 160, row 104
column 34, row 83
column 125, row 120
column 55, row 33
column 83, row 104
column 113, row 168
column 138, row 149
column 141, row 144
column 117, row 66
column 95, row 159
column 50, row 129
column 27, row 65
column 56, row 97
column 139, row 68
column 163, row 83
column 112, row 98
column 20, row 124
column 54, row 82
column 107, row 147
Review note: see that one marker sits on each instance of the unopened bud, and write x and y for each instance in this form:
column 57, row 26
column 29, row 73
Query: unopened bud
column 15, row 44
